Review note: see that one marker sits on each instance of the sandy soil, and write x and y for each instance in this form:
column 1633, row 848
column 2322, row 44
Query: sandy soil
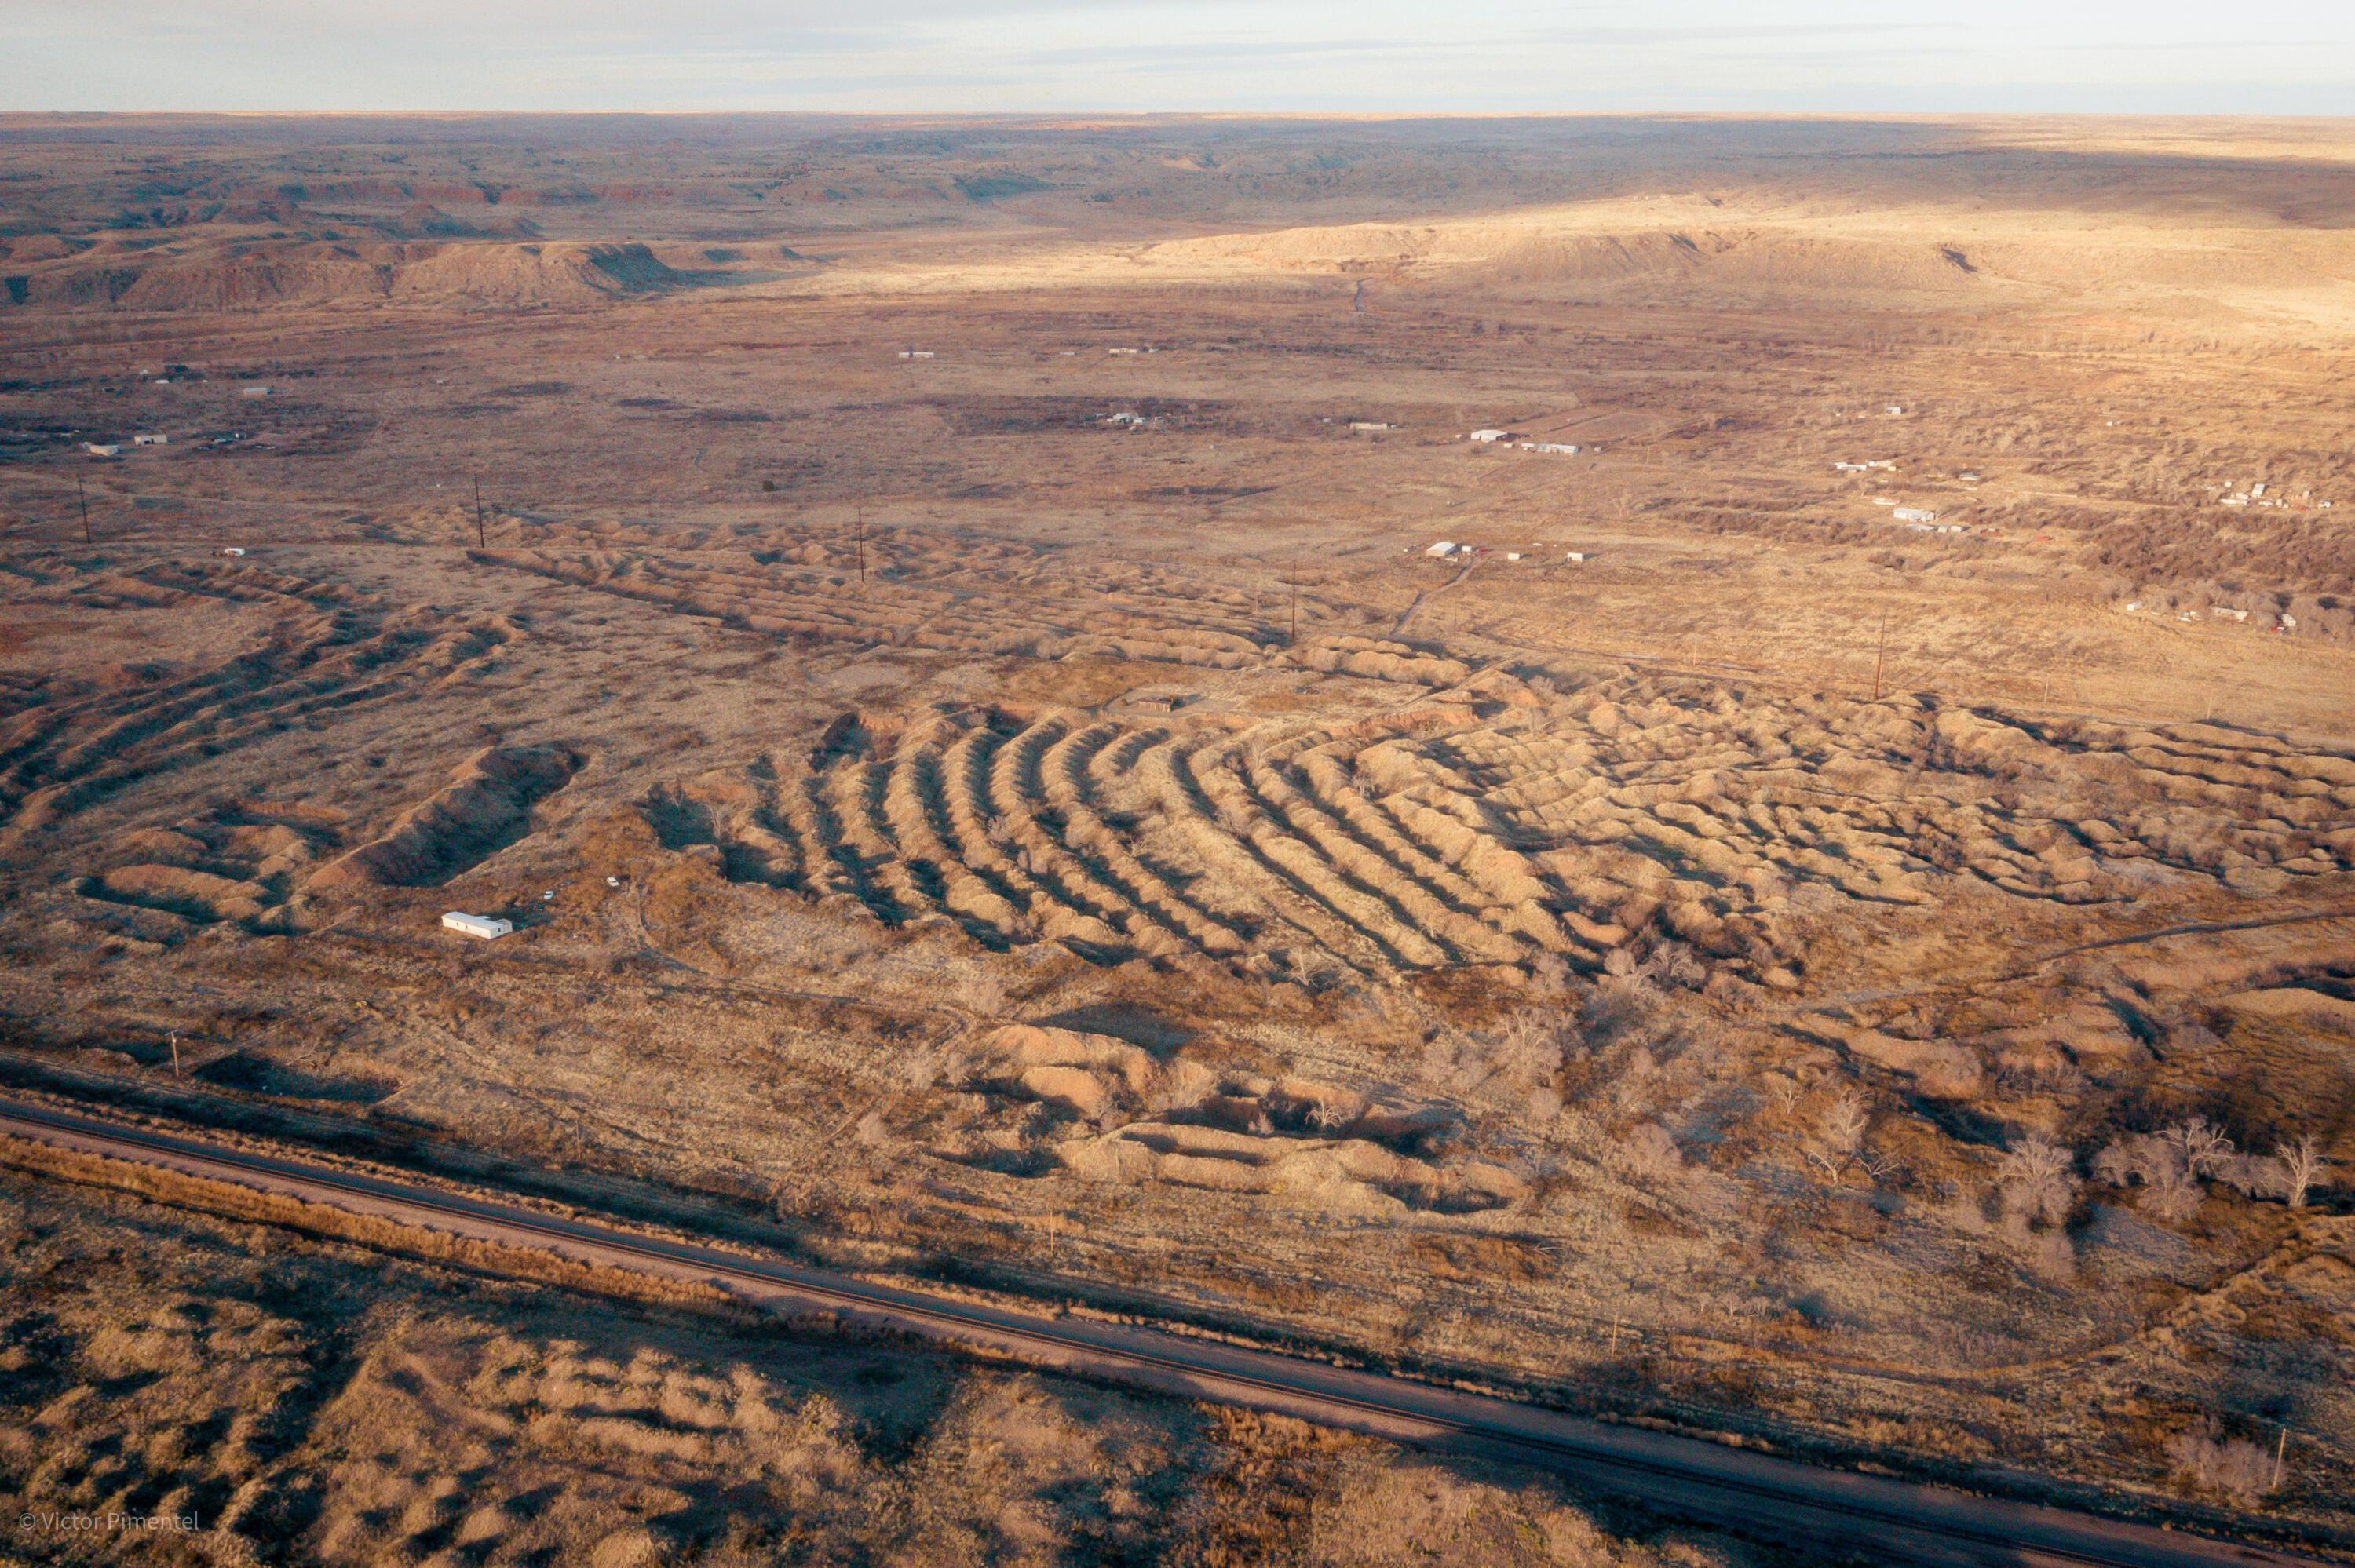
column 983, row 762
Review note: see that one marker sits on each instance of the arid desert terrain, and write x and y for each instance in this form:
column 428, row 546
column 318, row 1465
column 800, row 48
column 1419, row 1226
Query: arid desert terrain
column 1826, row 916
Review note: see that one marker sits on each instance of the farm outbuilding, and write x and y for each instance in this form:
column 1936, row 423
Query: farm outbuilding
column 102, row 448
column 1444, row 549
column 151, row 440
column 1914, row 514
column 487, row 927
column 1487, row 437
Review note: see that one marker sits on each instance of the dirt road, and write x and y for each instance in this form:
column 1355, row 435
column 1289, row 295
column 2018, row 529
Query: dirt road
column 1723, row 1485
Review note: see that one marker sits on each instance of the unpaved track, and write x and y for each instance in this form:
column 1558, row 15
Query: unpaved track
column 1885, row 1520
column 1406, row 617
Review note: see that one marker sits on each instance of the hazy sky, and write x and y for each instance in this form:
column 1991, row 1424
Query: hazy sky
column 2263, row 56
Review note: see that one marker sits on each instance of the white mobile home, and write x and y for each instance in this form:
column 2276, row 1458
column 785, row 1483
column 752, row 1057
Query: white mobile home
column 484, row 925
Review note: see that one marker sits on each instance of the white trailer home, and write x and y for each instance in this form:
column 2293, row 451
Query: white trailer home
column 486, row 926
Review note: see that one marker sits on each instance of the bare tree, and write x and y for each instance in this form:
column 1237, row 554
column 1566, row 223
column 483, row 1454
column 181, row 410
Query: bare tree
column 2202, row 1147
column 2233, row 1466
column 1840, row 1133
column 2039, row 1179
column 2302, row 1170
column 2173, row 1194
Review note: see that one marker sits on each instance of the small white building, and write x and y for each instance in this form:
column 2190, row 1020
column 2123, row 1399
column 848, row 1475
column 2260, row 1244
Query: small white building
column 1368, row 427
column 917, row 353
column 232, row 550
column 102, row 448
column 1444, row 549
column 151, row 440
column 253, row 391
column 1562, row 447
column 1487, row 437
column 1914, row 514
column 1575, row 556
column 1894, row 410
column 484, row 925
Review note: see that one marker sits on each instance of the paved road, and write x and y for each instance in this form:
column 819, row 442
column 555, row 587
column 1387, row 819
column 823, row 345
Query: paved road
column 1882, row 1521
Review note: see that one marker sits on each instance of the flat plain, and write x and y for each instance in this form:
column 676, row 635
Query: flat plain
column 1828, row 914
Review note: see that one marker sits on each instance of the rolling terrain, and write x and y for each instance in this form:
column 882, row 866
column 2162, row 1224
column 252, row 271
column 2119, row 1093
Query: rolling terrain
column 1828, row 915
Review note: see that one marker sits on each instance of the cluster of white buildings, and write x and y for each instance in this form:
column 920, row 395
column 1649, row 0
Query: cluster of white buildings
column 1448, row 550
column 2282, row 623
column 1878, row 465
column 1491, row 437
column 2255, row 496
column 114, row 449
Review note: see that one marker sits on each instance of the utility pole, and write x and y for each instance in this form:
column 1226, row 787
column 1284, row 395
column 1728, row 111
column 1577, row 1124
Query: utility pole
column 862, row 547
column 482, row 539
column 1293, row 636
column 1881, row 656
column 176, row 1053
column 83, row 490
column 2280, row 1447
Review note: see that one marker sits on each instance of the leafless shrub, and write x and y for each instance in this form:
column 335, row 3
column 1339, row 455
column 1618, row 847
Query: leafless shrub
column 1551, row 973
column 872, row 1131
column 2115, row 1164
column 1616, row 1007
column 2252, row 1175
column 1175, row 1091
column 2039, row 1179
column 2302, row 1170
column 1329, row 1115
column 1649, row 1152
column 921, row 1070
column 1528, row 1049
column 1673, row 964
column 2173, row 1194
column 1952, row 1078
column 2201, row 1147
column 1619, row 963
column 1544, row 1104
column 2233, row 1466
column 1840, row 1133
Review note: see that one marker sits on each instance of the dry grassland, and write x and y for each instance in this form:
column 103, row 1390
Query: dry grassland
column 322, row 1405
column 983, row 766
